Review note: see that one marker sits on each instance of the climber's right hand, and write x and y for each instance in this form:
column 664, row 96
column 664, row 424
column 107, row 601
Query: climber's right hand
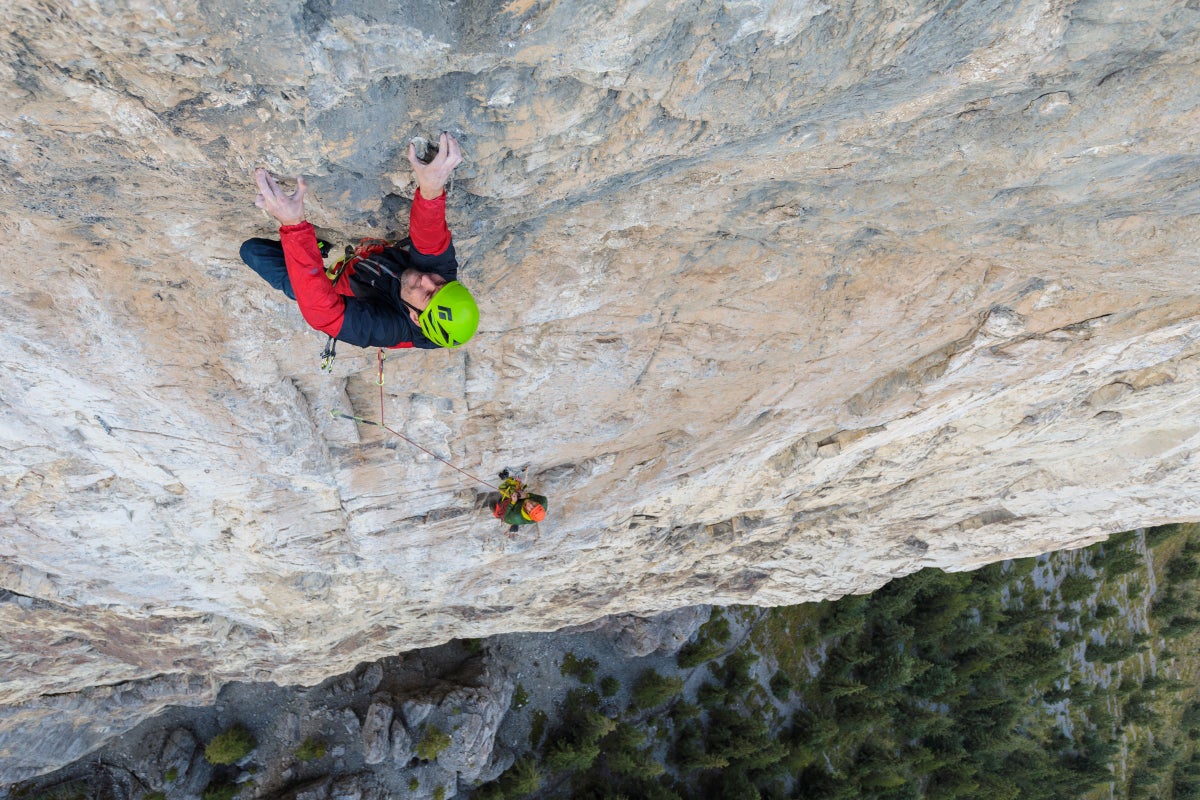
column 432, row 177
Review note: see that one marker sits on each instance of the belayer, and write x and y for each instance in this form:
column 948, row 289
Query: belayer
column 398, row 296
column 517, row 505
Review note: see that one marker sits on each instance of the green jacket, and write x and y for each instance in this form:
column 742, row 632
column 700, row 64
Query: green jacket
column 512, row 516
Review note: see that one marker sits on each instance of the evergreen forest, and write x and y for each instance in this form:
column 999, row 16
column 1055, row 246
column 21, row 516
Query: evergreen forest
column 1068, row 675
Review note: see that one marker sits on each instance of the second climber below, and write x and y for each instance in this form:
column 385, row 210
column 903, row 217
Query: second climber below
column 402, row 296
column 517, row 505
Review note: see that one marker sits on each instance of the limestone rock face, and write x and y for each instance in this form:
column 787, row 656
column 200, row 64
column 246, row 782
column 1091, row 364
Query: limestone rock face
column 635, row 636
column 375, row 731
column 779, row 299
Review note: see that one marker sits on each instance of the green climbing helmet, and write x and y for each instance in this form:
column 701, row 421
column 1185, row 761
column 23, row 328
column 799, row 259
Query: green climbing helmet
column 451, row 317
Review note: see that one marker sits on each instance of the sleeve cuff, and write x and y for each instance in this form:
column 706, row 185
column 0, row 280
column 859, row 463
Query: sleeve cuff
column 419, row 199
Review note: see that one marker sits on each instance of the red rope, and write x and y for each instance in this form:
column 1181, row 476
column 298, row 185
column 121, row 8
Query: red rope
column 381, row 388
column 410, row 441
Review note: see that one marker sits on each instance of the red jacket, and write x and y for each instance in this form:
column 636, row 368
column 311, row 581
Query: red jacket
column 382, row 321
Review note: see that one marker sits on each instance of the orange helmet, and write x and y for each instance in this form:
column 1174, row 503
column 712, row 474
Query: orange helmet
column 533, row 511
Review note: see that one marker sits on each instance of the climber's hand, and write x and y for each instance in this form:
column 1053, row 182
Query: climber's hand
column 432, row 177
column 287, row 208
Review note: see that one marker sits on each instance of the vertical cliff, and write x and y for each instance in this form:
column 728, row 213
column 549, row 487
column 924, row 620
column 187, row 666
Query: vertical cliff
column 780, row 300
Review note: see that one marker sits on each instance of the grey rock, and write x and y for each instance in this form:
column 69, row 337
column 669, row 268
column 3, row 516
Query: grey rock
column 470, row 746
column 472, row 716
column 637, row 636
column 288, row 730
column 415, row 711
column 199, row 773
column 403, row 746
column 346, row 788
column 375, row 730
column 372, row 676
column 318, row 790
column 502, row 758
column 179, row 749
column 59, row 728
column 429, row 776
column 350, row 722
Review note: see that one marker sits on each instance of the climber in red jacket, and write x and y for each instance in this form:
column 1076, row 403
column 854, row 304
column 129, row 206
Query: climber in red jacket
column 400, row 297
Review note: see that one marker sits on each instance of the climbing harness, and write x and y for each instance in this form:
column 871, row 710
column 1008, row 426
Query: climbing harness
column 353, row 258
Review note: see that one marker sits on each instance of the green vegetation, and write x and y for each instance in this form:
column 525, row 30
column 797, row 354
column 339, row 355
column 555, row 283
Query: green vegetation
column 781, row 686
column 537, row 728
column 155, row 796
column 1118, row 556
column 171, row 775
column 310, row 749
column 584, row 670
column 651, row 689
column 609, row 686
column 520, row 697
column 71, row 790
column 520, row 780
column 223, row 790
column 938, row 686
column 575, row 745
column 413, row 784
column 439, row 793
column 230, row 747
column 1162, row 533
column 709, row 643
column 433, row 741
column 1076, row 587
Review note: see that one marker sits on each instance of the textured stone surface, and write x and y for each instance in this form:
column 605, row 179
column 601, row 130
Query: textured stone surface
column 375, row 731
column 822, row 296
column 636, row 636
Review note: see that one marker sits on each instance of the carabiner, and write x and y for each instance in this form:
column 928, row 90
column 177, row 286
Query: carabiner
column 328, row 355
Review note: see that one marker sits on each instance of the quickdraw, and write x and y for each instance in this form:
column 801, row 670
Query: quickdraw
column 328, row 355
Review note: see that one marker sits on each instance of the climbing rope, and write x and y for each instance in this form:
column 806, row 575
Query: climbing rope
column 381, row 424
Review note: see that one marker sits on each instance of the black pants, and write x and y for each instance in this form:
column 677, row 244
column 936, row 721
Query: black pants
column 265, row 256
